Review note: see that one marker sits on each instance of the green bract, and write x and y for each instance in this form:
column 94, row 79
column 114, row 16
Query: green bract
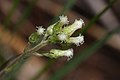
column 34, row 38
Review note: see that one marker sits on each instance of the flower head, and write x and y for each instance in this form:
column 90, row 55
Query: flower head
column 76, row 40
column 58, row 25
column 40, row 30
column 50, row 29
column 64, row 19
column 78, row 23
column 56, row 53
column 62, row 37
column 69, row 30
column 57, row 33
column 69, row 53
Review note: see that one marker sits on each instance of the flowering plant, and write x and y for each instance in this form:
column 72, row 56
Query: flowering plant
column 60, row 32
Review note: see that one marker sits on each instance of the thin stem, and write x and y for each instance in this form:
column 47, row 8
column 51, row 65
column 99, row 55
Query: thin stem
column 37, row 54
column 11, row 70
column 37, row 47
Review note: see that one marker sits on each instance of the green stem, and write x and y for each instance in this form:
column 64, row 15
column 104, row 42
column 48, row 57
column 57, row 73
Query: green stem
column 11, row 70
column 37, row 47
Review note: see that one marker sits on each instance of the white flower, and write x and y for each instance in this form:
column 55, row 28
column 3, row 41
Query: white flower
column 40, row 30
column 69, row 30
column 59, row 53
column 64, row 19
column 78, row 24
column 69, row 53
column 62, row 37
column 76, row 40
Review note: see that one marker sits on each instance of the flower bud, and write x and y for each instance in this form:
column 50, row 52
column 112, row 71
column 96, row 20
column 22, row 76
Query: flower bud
column 58, row 27
column 56, row 53
column 50, row 29
column 76, row 40
column 34, row 37
column 69, row 30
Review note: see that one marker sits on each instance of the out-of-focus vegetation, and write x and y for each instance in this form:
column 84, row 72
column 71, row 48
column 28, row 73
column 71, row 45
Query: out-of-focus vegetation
column 69, row 66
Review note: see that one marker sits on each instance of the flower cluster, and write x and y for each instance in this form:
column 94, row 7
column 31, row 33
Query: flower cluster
column 55, row 53
column 59, row 32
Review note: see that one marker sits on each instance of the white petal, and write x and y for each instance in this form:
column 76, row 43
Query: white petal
column 76, row 40
column 40, row 30
column 62, row 37
column 64, row 19
column 69, row 52
column 78, row 23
